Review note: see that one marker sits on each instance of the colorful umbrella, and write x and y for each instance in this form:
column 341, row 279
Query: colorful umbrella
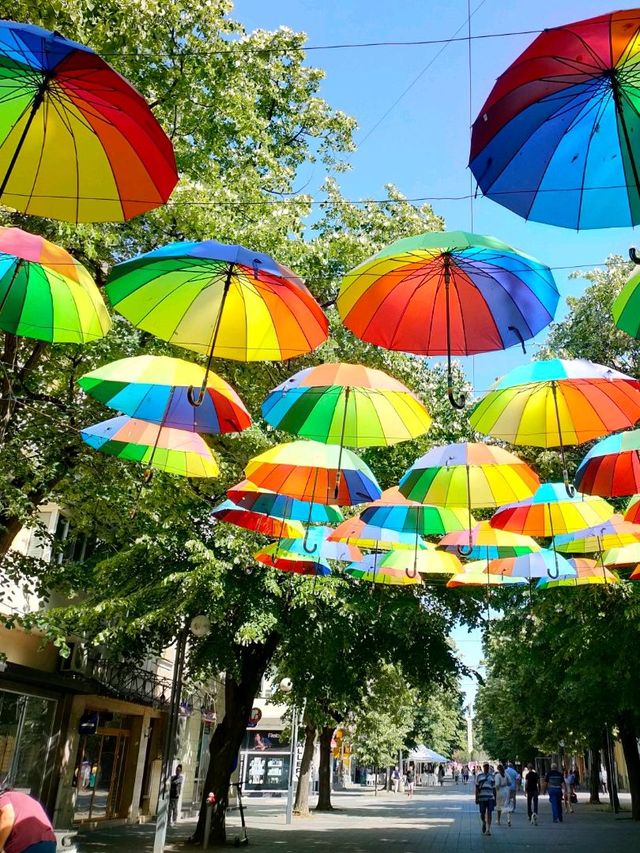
column 267, row 525
column 154, row 388
column 588, row 573
column 488, row 543
column 626, row 306
column 558, row 402
column 541, row 564
column 622, row 557
column 394, row 512
column 475, row 575
column 552, row 511
column 77, row 141
column 175, row 451
column 225, row 301
column 612, row 467
column 324, row 547
column 632, row 512
column 271, row 556
column 308, row 471
column 453, row 293
column 249, row 496
column 358, row 532
column 429, row 561
column 368, row 569
column 613, row 533
column 44, row 292
column 346, row 404
column 556, row 140
column 635, row 574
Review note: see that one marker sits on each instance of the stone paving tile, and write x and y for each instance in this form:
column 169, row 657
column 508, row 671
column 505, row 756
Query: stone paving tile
column 443, row 820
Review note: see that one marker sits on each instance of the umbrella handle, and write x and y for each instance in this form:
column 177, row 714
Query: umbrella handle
column 633, row 254
column 411, row 573
column 569, row 487
column 554, row 572
column 305, row 546
column 516, row 332
column 464, row 550
column 198, row 400
column 457, row 404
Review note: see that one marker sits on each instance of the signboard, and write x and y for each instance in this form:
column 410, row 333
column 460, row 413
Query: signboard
column 263, row 740
column 254, row 719
column 266, row 772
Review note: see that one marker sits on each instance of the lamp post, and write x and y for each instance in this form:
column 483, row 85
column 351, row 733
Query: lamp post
column 199, row 627
column 286, row 686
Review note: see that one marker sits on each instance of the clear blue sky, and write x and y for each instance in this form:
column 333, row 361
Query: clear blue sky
column 422, row 146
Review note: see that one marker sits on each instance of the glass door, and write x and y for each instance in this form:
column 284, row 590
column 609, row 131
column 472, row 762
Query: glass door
column 100, row 774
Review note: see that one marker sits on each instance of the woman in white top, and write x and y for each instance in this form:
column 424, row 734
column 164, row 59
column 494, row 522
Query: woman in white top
column 502, row 792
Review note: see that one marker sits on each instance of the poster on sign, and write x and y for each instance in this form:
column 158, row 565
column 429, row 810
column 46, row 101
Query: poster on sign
column 266, row 772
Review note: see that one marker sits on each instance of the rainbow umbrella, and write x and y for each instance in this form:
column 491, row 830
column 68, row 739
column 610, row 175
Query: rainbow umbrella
column 249, row 496
column 635, row 574
column 280, row 556
column 615, row 532
column 632, row 512
column 267, row 525
column 428, row 561
column 175, row 451
column 346, row 404
column 358, row 532
column 475, row 574
column 626, row 306
column 394, row 512
column 622, row 557
column 368, row 569
column 323, row 546
column 154, row 388
column 612, row 467
column 558, row 402
column 308, row 471
column 539, row 564
column 556, row 140
column 453, row 293
column 552, row 511
column 44, row 292
column 77, row 142
column 488, row 543
column 224, row 301
column 588, row 573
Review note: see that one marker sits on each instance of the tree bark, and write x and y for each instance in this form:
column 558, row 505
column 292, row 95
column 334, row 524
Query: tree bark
column 629, row 741
column 594, row 774
column 324, row 772
column 301, row 805
column 612, row 779
column 227, row 738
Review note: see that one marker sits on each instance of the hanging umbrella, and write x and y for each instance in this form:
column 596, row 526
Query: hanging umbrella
column 358, row 532
column 475, row 574
column 267, row 525
column 175, row 451
column 612, row 467
column 429, row 561
column 77, row 142
column 323, row 547
column 470, row 475
column 44, row 292
column 249, row 496
column 632, row 512
column 154, row 388
column 346, row 404
column 626, row 306
column 369, row 570
column 394, row 512
column 588, row 573
column 558, row 402
column 556, row 140
column 448, row 293
column 307, row 471
column 278, row 557
column 622, row 557
column 488, row 543
column 224, row 301
column 552, row 511
column 540, row 564
column 615, row 532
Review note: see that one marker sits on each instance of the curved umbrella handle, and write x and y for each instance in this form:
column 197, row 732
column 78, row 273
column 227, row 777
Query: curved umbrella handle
column 633, row 254
column 569, row 487
column 305, row 546
column 411, row 573
column 457, row 404
column 554, row 573
column 198, row 400
column 464, row 550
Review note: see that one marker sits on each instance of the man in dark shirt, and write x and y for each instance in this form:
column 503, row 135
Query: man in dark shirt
column 554, row 786
column 532, row 789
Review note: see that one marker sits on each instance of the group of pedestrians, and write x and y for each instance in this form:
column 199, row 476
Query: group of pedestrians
column 497, row 789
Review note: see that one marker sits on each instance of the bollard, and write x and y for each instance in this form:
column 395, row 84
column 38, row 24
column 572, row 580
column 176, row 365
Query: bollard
column 211, row 801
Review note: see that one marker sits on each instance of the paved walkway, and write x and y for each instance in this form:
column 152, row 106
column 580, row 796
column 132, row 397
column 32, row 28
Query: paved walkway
column 443, row 820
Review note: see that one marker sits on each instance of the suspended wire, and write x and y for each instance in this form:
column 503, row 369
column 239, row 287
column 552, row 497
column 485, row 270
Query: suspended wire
column 470, row 68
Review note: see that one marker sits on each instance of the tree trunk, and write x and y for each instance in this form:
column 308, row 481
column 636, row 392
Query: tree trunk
column 301, row 805
column 594, row 774
column 324, row 771
column 629, row 742
column 227, row 738
column 612, row 780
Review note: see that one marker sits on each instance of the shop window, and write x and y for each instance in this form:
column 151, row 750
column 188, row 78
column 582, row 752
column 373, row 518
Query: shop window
column 25, row 735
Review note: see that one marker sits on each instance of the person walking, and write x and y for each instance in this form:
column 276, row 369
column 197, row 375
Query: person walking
column 502, row 791
column 441, row 775
column 554, row 786
column 175, row 789
column 395, row 779
column 568, row 790
column 532, row 790
column 411, row 779
column 465, row 774
column 514, row 777
column 485, row 797
column 24, row 825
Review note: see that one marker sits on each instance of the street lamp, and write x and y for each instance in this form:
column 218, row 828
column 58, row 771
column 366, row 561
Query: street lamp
column 199, row 627
column 286, row 685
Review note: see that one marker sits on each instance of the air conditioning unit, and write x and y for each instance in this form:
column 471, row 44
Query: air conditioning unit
column 78, row 660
